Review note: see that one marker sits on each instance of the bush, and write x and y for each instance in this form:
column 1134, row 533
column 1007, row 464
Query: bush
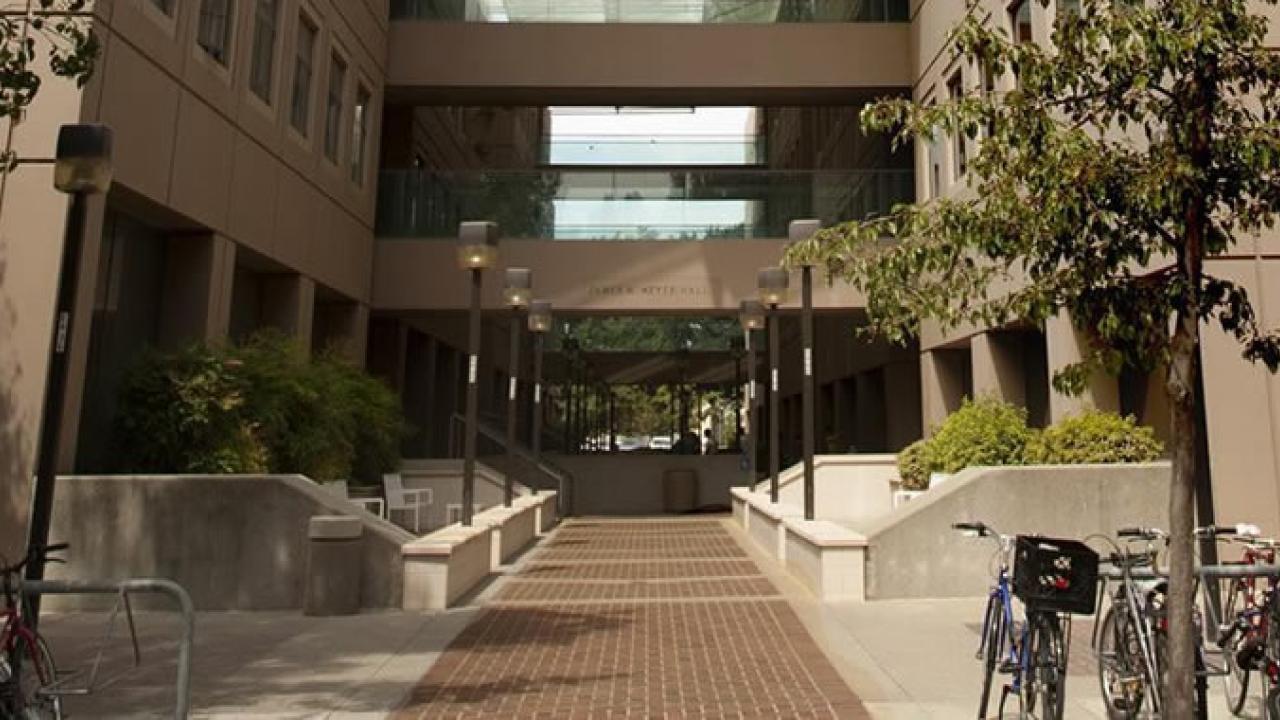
column 913, row 466
column 262, row 407
column 1095, row 437
column 982, row 432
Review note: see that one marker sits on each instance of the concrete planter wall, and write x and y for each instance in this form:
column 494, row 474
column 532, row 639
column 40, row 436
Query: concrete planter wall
column 853, row 489
column 445, row 565
column 234, row 542
column 827, row 558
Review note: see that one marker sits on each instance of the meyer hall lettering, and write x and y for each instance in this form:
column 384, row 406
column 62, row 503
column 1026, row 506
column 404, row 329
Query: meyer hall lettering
column 648, row 290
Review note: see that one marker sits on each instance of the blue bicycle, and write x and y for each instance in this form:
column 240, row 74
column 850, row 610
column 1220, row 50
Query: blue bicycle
column 1032, row 653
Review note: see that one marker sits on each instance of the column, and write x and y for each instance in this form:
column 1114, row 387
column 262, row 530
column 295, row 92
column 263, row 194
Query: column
column 199, row 273
column 1064, row 345
column 997, row 367
column 944, row 380
column 288, row 303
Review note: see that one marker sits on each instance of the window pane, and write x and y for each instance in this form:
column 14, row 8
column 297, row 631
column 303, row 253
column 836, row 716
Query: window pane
column 960, row 160
column 300, row 111
column 214, row 33
column 359, row 136
column 1020, row 21
column 264, row 47
column 333, row 108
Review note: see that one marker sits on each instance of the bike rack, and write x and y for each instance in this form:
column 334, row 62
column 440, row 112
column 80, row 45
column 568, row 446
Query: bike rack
column 138, row 585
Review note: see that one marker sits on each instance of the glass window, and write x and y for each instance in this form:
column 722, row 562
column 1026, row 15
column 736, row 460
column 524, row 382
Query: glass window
column 333, row 108
column 266, row 16
column 214, row 33
column 165, row 6
column 959, row 151
column 303, row 69
column 1020, row 21
column 359, row 135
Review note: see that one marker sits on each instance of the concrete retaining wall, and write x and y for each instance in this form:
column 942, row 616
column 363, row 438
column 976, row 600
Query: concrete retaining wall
column 631, row 483
column 851, row 489
column 444, row 479
column 445, row 565
column 234, row 542
column 914, row 553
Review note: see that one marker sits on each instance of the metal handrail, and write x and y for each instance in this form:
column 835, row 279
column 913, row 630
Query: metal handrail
column 160, row 586
column 563, row 478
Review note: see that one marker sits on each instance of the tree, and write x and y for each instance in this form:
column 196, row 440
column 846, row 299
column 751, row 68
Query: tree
column 1142, row 142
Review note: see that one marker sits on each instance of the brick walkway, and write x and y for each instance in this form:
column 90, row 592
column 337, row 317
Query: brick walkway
column 635, row 619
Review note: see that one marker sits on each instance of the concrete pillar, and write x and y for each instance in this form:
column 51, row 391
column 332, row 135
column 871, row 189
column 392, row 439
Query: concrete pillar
column 199, row 273
column 944, row 382
column 1064, row 345
column 289, row 304
column 902, row 404
column 343, row 327
column 998, row 368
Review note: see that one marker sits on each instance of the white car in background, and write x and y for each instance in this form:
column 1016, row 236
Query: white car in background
column 660, row 442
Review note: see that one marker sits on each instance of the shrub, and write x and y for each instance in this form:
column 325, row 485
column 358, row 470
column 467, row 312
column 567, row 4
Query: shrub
column 262, row 407
column 913, row 466
column 1095, row 437
column 985, row 431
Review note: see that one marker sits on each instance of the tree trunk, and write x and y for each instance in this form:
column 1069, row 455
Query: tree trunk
column 1179, row 696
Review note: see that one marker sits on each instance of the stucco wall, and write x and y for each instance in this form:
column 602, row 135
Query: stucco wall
column 914, row 552
column 234, row 542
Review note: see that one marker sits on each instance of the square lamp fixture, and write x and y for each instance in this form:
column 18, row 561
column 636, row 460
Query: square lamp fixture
column 82, row 162
column 773, row 283
column 517, row 287
column 540, row 316
column 477, row 245
column 751, row 315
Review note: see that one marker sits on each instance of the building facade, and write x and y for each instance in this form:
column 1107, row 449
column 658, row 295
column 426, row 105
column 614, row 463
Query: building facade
column 302, row 165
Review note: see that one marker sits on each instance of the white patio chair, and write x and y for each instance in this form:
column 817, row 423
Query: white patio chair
column 343, row 490
column 400, row 499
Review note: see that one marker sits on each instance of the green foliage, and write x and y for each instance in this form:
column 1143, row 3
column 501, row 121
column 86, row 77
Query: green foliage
column 985, row 431
column 1094, row 437
column 262, row 407
column 913, row 466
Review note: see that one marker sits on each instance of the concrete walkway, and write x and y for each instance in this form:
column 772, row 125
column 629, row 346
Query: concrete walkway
column 635, row 618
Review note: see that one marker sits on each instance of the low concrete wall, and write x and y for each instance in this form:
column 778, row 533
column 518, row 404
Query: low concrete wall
column 827, row 558
column 851, row 489
column 234, row 542
column 546, row 504
column 444, row 479
column 741, row 509
column 766, row 524
column 513, row 528
column 631, row 484
column 445, row 565
column 914, row 553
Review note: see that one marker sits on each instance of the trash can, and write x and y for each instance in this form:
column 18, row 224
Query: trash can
column 679, row 491
column 334, row 559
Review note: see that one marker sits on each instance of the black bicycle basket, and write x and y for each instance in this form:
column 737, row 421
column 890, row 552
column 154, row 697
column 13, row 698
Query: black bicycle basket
column 1055, row 574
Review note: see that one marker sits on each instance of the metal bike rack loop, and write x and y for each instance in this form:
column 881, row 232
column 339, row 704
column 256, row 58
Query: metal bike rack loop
column 159, row 586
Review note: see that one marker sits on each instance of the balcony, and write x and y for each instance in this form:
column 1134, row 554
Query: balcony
column 652, row 11
column 642, row 204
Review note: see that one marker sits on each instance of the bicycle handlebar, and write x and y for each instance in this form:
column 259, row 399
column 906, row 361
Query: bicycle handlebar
column 974, row 527
column 1243, row 530
column 1143, row 533
column 34, row 552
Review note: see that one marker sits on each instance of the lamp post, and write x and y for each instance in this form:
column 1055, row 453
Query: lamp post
column 751, row 315
column 516, row 289
column 82, row 168
column 477, row 251
column 539, row 326
column 802, row 230
column 773, row 283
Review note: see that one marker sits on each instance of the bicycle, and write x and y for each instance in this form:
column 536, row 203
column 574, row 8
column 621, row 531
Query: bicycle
column 27, row 670
column 1034, row 654
column 1243, row 635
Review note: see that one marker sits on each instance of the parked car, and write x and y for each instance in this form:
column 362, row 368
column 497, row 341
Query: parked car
column 660, row 442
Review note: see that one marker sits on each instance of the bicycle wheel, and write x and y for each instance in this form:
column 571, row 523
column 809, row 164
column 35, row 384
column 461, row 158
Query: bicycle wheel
column 1235, row 648
column 1120, row 673
column 1045, row 688
column 993, row 645
column 36, row 675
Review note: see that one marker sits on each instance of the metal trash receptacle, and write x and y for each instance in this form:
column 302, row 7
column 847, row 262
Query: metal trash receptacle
column 335, row 549
column 679, row 491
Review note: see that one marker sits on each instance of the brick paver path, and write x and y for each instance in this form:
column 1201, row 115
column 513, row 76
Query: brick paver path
column 635, row 619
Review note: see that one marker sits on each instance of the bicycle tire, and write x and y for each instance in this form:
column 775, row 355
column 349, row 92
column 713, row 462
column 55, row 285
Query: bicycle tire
column 1236, row 680
column 993, row 644
column 1122, row 643
column 31, row 703
column 1047, row 683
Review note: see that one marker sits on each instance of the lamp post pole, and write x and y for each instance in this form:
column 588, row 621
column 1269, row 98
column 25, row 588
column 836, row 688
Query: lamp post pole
column 83, row 168
column 773, row 284
column 752, row 318
column 477, row 250
column 516, row 291
column 539, row 324
column 802, row 230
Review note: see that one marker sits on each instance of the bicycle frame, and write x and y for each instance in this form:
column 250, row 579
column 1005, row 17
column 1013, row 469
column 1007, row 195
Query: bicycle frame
column 12, row 632
column 1138, row 615
column 1002, row 595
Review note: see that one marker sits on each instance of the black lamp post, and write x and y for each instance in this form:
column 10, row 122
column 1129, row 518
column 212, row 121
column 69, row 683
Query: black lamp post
column 802, row 230
column 477, row 251
column 773, row 283
column 82, row 168
column 515, row 292
column 751, row 315
column 539, row 325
